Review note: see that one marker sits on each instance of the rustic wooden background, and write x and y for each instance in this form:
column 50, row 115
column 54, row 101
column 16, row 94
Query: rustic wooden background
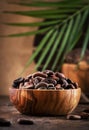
column 14, row 52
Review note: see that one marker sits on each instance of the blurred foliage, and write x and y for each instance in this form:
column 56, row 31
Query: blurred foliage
column 66, row 22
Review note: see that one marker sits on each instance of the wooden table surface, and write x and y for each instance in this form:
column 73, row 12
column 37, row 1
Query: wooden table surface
column 8, row 111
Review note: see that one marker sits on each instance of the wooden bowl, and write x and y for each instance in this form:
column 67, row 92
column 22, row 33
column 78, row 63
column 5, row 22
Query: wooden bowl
column 45, row 102
column 79, row 74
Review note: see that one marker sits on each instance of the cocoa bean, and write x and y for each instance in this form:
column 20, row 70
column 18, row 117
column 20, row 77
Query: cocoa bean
column 75, row 84
column 70, row 86
column 30, row 86
column 40, row 74
column 73, row 117
column 29, row 76
column 84, row 115
column 64, row 83
column 58, row 86
column 49, row 73
column 55, row 77
column 4, row 122
column 49, row 81
column 59, row 75
column 23, row 121
column 17, row 82
column 69, row 81
column 51, row 86
column 41, row 85
column 42, row 88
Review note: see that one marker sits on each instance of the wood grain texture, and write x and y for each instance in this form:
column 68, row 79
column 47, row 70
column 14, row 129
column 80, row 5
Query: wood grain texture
column 45, row 102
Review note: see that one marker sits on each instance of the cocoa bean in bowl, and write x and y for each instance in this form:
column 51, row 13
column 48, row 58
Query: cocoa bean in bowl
column 45, row 93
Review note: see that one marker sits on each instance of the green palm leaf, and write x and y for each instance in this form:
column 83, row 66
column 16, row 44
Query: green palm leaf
column 34, row 24
column 39, row 48
column 74, row 30
column 47, row 48
column 65, row 3
column 78, row 30
column 64, row 27
column 43, row 12
column 29, row 33
column 61, row 16
column 59, row 37
column 86, row 40
column 62, row 47
column 28, row 13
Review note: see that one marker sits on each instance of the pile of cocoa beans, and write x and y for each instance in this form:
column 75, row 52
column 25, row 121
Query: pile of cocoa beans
column 45, row 80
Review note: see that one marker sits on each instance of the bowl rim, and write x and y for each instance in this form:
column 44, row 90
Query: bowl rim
column 74, row 89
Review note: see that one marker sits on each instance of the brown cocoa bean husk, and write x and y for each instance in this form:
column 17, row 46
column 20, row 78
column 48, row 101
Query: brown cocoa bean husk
column 73, row 117
column 40, row 74
column 23, row 121
column 4, row 122
column 84, row 115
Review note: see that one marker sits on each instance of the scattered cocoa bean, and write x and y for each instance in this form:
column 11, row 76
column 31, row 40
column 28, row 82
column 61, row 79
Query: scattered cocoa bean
column 4, row 122
column 84, row 115
column 73, row 117
column 23, row 121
